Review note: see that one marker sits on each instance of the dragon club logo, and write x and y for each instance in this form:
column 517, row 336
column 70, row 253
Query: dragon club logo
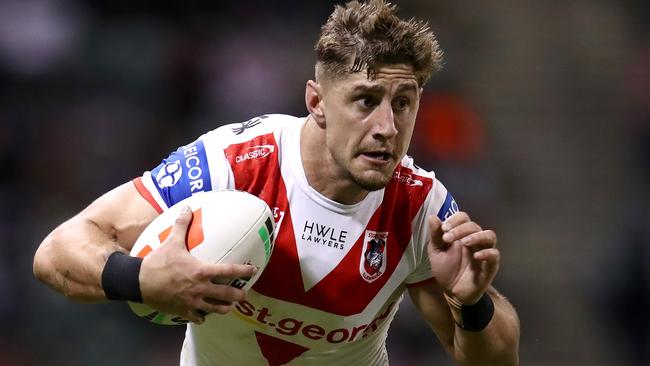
column 373, row 261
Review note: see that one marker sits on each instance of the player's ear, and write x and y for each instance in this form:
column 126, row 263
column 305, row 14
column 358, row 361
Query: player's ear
column 314, row 102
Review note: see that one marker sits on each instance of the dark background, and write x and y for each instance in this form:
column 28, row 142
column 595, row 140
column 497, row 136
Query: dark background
column 539, row 125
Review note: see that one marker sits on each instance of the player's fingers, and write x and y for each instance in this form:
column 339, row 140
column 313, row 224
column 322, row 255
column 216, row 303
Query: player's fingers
column 194, row 316
column 219, row 307
column 179, row 229
column 491, row 257
column 202, row 312
column 221, row 271
column 461, row 231
column 435, row 233
column 454, row 220
column 480, row 240
column 224, row 293
column 212, row 301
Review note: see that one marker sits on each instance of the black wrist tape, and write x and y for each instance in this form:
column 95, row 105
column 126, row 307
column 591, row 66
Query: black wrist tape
column 476, row 317
column 120, row 277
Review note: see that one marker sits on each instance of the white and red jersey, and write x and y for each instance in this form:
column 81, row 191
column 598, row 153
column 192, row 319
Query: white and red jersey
column 337, row 272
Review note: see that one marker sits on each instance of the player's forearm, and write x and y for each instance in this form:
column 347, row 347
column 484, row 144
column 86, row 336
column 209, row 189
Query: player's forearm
column 70, row 260
column 497, row 344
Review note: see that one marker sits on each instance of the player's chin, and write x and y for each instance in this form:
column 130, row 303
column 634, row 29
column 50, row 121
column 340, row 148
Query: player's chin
column 373, row 180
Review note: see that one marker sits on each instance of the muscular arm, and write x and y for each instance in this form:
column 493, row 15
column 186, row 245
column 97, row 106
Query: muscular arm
column 497, row 344
column 464, row 260
column 71, row 258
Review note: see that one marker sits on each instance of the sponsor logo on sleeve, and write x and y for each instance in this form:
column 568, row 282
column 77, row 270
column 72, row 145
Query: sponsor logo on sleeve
column 373, row 261
column 184, row 173
column 449, row 207
column 255, row 152
column 169, row 174
column 196, row 163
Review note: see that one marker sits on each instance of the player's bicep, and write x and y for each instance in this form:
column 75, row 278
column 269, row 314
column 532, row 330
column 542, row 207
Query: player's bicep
column 431, row 304
column 122, row 213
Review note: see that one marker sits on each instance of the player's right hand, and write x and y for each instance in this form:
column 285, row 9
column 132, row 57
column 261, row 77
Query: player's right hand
column 175, row 282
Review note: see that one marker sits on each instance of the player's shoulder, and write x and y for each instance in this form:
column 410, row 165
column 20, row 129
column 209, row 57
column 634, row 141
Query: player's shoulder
column 425, row 182
column 410, row 176
column 234, row 133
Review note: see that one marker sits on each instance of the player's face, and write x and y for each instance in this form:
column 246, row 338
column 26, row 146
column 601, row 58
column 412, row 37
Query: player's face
column 369, row 123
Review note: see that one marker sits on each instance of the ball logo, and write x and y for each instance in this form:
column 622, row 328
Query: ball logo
column 255, row 152
column 278, row 217
column 373, row 260
column 194, row 237
column 169, row 174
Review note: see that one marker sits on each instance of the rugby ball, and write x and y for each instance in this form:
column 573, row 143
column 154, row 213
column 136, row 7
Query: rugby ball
column 227, row 227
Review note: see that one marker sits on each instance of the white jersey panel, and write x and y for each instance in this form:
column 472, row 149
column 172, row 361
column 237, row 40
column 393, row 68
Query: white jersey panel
column 324, row 230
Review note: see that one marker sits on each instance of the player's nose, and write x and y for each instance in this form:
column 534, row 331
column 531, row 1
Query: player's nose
column 384, row 121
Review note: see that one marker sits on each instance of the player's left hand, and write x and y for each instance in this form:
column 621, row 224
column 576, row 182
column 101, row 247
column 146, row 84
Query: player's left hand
column 464, row 258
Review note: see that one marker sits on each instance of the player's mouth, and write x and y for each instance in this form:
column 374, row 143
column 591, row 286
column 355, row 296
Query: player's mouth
column 377, row 157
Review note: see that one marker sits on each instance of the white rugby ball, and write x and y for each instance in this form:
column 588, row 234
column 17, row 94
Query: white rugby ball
column 227, row 227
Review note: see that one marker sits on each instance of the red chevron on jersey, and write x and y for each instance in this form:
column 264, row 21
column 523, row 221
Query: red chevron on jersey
column 276, row 351
column 347, row 289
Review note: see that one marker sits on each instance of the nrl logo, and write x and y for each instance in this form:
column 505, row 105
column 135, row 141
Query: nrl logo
column 373, row 261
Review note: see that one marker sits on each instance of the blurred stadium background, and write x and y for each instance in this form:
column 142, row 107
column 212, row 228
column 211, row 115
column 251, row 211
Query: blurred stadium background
column 539, row 125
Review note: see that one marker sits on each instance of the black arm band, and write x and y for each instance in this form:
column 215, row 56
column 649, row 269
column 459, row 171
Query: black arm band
column 120, row 277
column 476, row 317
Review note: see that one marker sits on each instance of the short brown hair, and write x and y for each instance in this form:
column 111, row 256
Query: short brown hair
column 360, row 36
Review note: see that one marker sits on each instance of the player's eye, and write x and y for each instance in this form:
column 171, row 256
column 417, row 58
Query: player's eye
column 401, row 104
column 366, row 101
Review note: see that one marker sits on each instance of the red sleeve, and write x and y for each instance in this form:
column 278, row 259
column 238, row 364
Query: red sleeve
column 144, row 192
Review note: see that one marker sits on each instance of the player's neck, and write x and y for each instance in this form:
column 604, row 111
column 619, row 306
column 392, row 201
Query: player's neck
column 322, row 172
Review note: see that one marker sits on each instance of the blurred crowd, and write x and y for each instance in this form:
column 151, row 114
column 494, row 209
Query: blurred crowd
column 539, row 125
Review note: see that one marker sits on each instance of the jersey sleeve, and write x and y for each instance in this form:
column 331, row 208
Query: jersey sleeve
column 194, row 168
column 202, row 165
column 441, row 203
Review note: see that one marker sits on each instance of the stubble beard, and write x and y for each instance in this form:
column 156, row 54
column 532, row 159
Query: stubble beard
column 368, row 180
column 372, row 183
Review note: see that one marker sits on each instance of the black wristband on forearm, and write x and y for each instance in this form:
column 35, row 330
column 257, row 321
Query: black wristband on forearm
column 476, row 317
column 472, row 318
column 121, row 277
